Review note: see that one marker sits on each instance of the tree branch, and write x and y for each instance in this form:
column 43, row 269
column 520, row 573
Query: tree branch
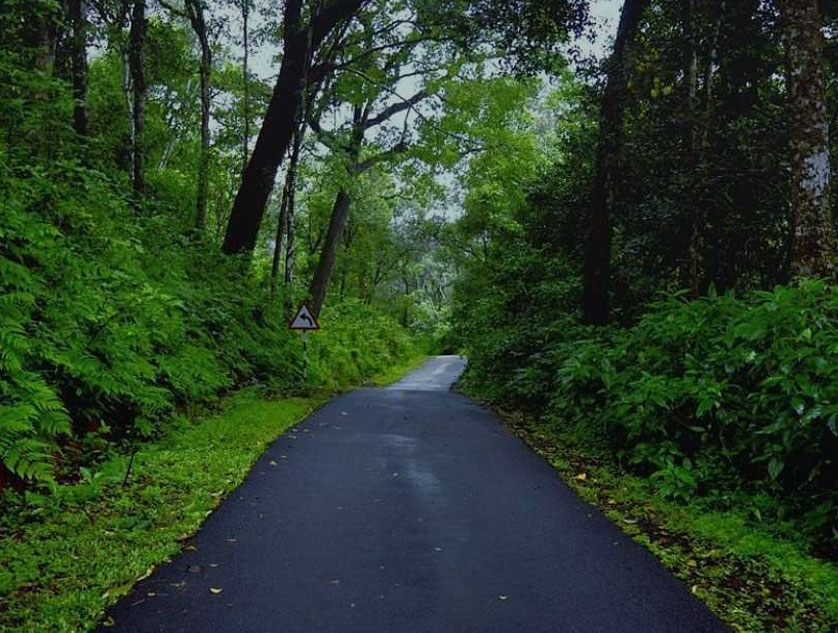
column 396, row 108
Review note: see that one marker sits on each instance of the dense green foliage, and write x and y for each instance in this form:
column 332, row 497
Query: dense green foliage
column 105, row 324
column 115, row 311
column 725, row 391
column 710, row 397
column 429, row 194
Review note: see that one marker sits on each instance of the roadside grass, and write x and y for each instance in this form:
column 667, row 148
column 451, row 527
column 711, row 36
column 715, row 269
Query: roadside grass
column 755, row 579
column 68, row 555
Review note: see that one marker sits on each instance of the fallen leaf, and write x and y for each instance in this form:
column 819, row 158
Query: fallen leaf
column 273, row 463
column 216, row 590
column 582, row 477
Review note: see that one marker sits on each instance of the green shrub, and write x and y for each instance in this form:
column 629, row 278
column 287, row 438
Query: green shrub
column 705, row 397
column 703, row 392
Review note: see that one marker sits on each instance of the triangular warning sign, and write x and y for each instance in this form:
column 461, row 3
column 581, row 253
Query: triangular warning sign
column 304, row 319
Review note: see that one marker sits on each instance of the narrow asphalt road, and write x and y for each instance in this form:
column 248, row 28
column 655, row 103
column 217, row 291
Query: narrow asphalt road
column 409, row 509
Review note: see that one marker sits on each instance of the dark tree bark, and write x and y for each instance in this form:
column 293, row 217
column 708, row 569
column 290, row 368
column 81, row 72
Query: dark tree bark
column 39, row 34
column 606, row 176
column 245, row 7
column 326, row 263
column 136, row 45
column 712, row 246
column 78, row 23
column 197, row 18
column 340, row 212
column 286, row 210
column 285, row 224
column 278, row 126
column 290, row 248
column 690, row 269
column 812, row 239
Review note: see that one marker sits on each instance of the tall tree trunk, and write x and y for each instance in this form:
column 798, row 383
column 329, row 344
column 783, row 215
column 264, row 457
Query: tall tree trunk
column 286, row 210
column 326, row 264
column 340, row 213
column 606, row 177
column 712, row 247
column 281, row 229
column 710, row 76
column 136, row 44
column 128, row 95
column 812, row 239
column 78, row 22
column 245, row 6
column 692, row 207
column 39, row 34
column 199, row 25
column 279, row 124
column 290, row 247
column 286, row 213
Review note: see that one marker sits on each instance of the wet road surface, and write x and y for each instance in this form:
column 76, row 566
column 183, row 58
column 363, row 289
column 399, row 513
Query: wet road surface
column 409, row 509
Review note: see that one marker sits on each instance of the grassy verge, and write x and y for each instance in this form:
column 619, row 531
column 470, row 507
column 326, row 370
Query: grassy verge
column 750, row 577
column 67, row 556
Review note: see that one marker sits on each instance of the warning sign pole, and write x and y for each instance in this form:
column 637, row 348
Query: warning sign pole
column 305, row 357
column 304, row 321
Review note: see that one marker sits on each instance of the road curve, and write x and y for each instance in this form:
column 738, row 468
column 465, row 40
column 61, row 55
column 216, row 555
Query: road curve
column 409, row 509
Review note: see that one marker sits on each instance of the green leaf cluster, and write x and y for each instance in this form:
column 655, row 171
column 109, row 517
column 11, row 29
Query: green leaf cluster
column 706, row 397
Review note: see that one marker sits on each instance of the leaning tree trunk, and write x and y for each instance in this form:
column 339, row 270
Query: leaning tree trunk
column 812, row 239
column 340, row 214
column 328, row 256
column 279, row 123
column 135, row 61
column 606, row 177
column 78, row 22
